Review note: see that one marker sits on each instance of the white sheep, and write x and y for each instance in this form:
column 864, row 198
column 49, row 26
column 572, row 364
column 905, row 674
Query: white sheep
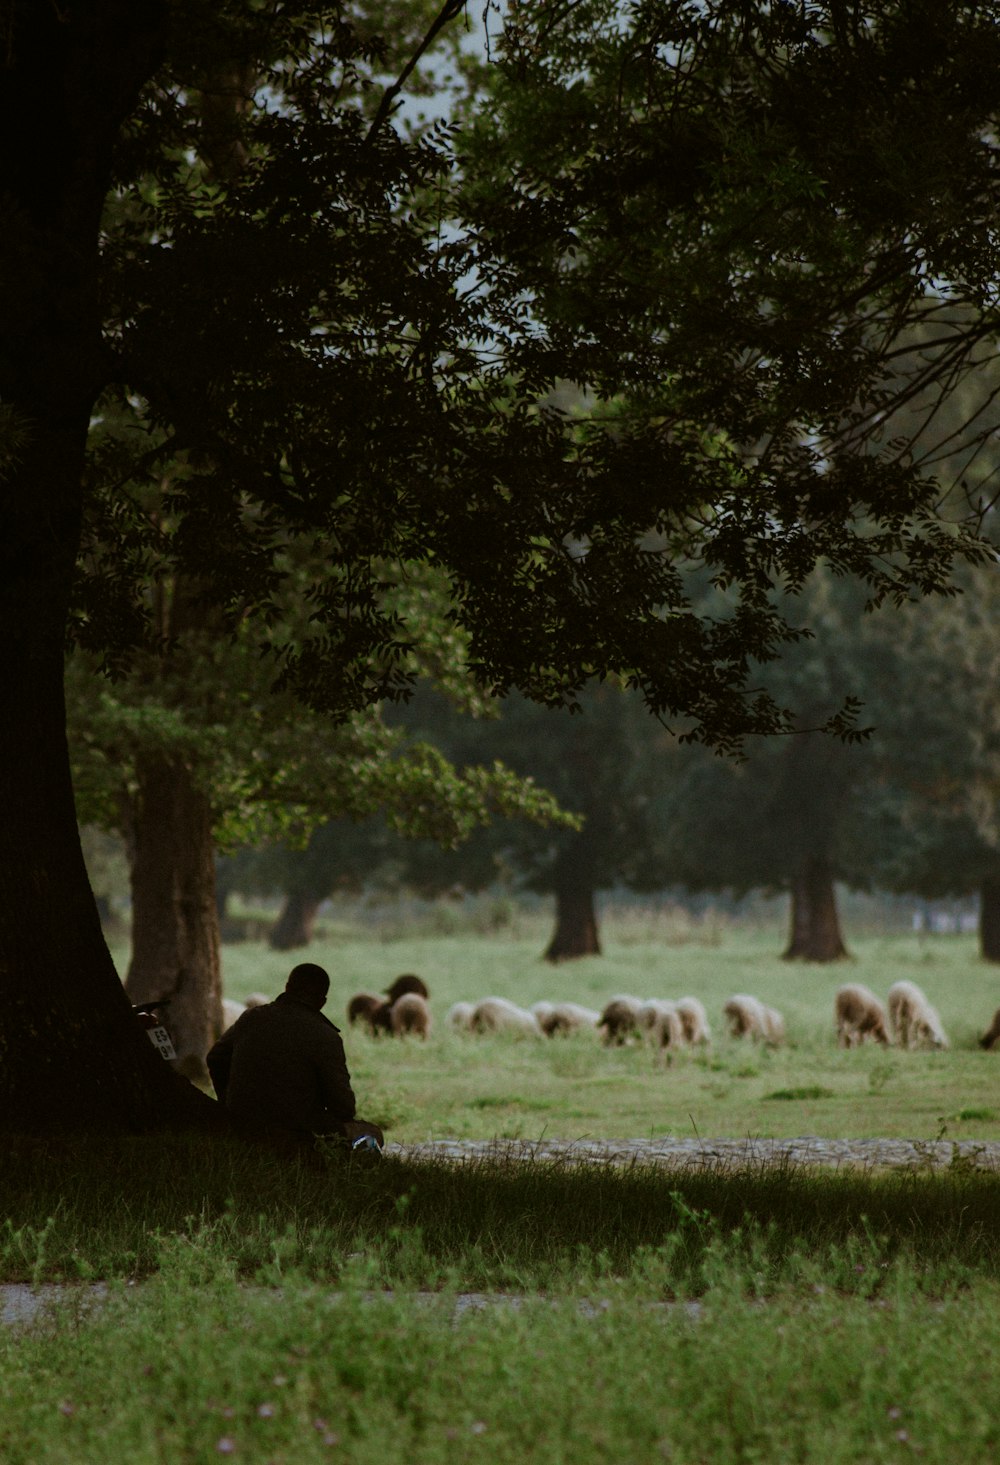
column 562, row 1018
column 774, row 1026
column 231, row 1010
column 913, row 1020
column 620, row 1018
column 258, row 999
column 859, row 1015
column 410, row 1013
column 694, row 1020
column 745, row 1015
column 459, row 1016
column 497, row 1015
column 658, row 1019
column 751, row 1018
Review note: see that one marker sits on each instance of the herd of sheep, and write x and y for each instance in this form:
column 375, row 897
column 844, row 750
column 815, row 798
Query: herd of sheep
column 906, row 1019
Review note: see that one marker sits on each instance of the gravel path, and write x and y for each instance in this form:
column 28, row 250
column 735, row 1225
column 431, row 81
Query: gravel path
column 724, row 1154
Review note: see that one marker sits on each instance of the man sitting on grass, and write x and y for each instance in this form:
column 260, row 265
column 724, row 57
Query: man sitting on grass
column 282, row 1066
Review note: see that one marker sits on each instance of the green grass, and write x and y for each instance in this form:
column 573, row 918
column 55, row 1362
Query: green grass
column 574, row 1088
column 317, row 1309
column 620, row 1317
column 103, row 1209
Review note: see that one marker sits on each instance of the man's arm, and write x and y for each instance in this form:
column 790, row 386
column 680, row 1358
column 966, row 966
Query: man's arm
column 335, row 1081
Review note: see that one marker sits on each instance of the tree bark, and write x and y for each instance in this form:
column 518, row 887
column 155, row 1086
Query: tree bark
column 175, row 921
column 71, row 1054
column 815, row 923
column 989, row 918
column 296, row 923
column 576, row 932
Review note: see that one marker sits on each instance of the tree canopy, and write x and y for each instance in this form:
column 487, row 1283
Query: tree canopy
column 340, row 343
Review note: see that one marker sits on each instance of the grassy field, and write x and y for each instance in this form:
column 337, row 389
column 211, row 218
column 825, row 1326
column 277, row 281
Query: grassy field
column 281, row 1311
column 477, row 1088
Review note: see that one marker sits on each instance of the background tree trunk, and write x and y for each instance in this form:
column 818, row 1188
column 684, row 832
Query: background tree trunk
column 815, row 923
column 175, row 921
column 989, row 918
column 576, row 932
column 296, row 923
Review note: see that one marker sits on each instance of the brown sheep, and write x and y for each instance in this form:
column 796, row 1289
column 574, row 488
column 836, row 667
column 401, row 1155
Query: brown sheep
column 620, row 1019
column 362, row 1005
column 410, row 1014
column 371, row 1009
column 859, row 1015
column 407, row 983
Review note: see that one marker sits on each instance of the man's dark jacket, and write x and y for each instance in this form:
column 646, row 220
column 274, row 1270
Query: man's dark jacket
column 284, row 1064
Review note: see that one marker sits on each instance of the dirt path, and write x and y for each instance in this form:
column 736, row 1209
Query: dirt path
column 723, row 1154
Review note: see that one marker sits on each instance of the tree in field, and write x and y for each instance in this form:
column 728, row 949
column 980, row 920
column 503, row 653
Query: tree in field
column 939, row 751
column 193, row 751
column 604, row 764
column 802, row 812
column 347, row 361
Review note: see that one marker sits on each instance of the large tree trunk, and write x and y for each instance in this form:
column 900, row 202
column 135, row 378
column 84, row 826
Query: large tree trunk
column 71, row 1055
column 296, row 923
column 815, row 923
column 989, row 918
column 576, row 924
column 175, row 922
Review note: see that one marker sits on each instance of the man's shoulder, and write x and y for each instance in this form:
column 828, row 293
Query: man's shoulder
column 288, row 1009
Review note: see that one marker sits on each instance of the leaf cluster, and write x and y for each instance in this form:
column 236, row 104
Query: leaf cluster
column 344, row 342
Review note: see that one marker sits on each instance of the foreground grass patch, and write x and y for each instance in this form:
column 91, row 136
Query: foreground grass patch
column 217, row 1369
column 100, row 1210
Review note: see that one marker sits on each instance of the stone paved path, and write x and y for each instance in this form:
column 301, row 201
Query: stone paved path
column 723, row 1154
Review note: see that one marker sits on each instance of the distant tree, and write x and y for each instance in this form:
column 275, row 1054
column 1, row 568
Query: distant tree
column 194, row 751
column 802, row 812
column 939, row 750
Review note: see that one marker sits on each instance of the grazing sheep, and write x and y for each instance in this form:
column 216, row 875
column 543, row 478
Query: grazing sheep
column 992, row 1034
column 658, row 1019
column 562, row 1018
column 745, row 1015
column 407, row 983
column 362, row 1005
column 859, row 1015
column 774, row 1026
column 411, row 1014
column 497, row 1015
column 459, row 1016
column 620, row 1019
column 751, row 1018
column 914, row 1022
column 380, row 1019
column 694, row 1020
column 231, row 1010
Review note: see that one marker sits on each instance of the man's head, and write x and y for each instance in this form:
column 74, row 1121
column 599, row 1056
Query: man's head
column 309, row 983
